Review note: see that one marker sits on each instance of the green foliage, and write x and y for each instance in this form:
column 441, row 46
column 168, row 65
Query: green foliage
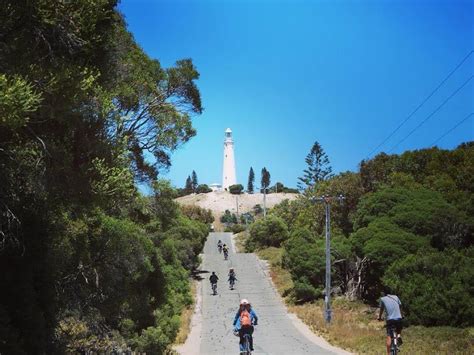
column 17, row 100
column 87, row 262
column 251, row 181
column 237, row 228
column 318, row 168
column 270, row 231
column 229, row 218
column 188, row 187
column 420, row 211
column 437, row 287
column 197, row 213
column 265, row 179
column 257, row 209
column 194, row 180
column 404, row 217
column 203, row 189
column 236, row 189
column 381, row 243
column 304, row 257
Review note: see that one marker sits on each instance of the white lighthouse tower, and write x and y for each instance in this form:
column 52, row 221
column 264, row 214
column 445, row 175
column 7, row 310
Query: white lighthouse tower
column 228, row 173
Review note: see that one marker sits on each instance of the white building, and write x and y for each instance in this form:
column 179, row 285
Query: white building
column 215, row 186
column 228, row 172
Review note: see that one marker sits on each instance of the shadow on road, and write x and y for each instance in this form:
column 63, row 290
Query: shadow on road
column 196, row 274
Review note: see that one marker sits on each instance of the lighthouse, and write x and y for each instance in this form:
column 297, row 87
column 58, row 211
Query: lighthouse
column 228, row 172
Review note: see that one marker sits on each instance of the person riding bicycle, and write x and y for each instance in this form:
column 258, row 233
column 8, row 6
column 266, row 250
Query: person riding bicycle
column 225, row 249
column 213, row 279
column 232, row 277
column 244, row 322
column 391, row 304
column 219, row 246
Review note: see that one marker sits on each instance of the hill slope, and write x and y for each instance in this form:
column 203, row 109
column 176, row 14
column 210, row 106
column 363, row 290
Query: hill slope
column 219, row 201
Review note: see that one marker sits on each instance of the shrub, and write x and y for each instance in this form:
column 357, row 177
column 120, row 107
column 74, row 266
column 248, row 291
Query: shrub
column 236, row 189
column 197, row 213
column 436, row 288
column 267, row 232
column 237, row 228
column 203, row 189
column 305, row 259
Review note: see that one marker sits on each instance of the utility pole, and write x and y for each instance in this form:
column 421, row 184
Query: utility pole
column 237, row 204
column 264, row 202
column 327, row 297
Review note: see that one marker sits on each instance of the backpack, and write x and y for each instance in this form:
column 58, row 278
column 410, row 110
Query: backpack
column 245, row 320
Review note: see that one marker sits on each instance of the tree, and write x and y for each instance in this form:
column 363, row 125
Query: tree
column 436, row 285
column 318, row 168
column 265, row 182
column 194, row 179
column 271, row 231
column 251, row 181
column 203, row 189
column 236, row 189
column 188, row 187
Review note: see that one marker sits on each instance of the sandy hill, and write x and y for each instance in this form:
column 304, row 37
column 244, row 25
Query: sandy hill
column 219, row 201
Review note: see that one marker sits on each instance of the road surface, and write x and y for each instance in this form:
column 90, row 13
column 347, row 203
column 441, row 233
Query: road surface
column 276, row 332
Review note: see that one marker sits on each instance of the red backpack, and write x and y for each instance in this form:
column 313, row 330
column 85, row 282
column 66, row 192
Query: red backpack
column 245, row 320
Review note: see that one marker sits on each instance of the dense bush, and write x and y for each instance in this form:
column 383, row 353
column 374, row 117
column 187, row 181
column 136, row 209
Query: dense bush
column 88, row 264
column 236, row 189
column 406, row 221
column 237, row 228
column 229, row 218
column 197, row 213
column 203, row 189
column 305, row 258
column 437, row 288
column 267, row 232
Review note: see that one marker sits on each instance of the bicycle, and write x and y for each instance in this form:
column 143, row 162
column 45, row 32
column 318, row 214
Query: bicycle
column 231, row 283
column 226, row 254
column 246, row 345
column 214, row 289
column 219, row 247
column 393, row 340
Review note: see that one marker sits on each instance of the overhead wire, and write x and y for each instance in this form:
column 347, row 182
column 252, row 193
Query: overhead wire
column 422, row 103
column 432, row 113
column 453, row 128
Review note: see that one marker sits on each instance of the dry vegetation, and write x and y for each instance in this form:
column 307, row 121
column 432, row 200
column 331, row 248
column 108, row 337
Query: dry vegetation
column 354, row 326
column 185, row 319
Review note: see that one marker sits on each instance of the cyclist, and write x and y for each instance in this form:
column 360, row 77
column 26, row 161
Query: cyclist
column 219, row 246
column 225, row 249
column 244, row 322
column 213, row 279
column 232, row 278
column 391, row 304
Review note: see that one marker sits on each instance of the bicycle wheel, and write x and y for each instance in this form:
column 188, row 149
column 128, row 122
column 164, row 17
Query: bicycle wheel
column 247, row 345
column 393, row 342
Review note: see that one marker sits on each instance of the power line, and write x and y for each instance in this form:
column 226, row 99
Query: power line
column 422, row 103
column 452, row 129
column 432, row 113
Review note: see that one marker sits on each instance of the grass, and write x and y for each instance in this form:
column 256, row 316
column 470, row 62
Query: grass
column 185, row 319
column 354, row 326
column 280, row 276
column 240, row 239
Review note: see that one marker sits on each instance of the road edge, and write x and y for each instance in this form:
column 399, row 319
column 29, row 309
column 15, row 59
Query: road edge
column 297, row 322
column 192, row 344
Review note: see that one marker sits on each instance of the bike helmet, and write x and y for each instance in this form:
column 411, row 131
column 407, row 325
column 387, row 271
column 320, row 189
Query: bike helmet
column 244, row 302
column 231, row 269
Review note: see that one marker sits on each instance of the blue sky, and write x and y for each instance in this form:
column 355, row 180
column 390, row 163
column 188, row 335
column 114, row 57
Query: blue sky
column 283, row 74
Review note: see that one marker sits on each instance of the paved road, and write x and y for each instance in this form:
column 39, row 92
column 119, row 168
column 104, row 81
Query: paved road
column 276, row 332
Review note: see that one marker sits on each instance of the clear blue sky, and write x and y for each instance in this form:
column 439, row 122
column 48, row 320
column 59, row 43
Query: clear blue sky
column 283, row 74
